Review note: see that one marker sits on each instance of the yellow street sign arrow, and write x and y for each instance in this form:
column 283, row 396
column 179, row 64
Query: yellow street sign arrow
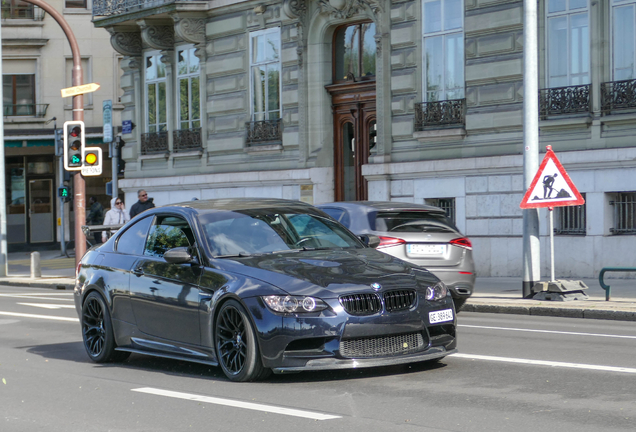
column 77, row 90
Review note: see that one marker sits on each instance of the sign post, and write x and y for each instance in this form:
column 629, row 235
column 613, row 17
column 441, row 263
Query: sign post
column 552, row 187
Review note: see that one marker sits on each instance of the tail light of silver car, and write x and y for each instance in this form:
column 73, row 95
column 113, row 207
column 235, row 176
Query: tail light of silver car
column 389, row 241
column 462, row 242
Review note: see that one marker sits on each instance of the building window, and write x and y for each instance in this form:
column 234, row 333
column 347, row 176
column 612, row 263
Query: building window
column 443, row 46
column 86, row 79
column 355, row 51
column 16, row 9
column 624, row 213
column 75, row 4
column 265, row 66
column 570, row 220
column 446, row 204
column 189, row 101
column 19, row 95
column 623, row 40
column 155, row 81
column 568, row 43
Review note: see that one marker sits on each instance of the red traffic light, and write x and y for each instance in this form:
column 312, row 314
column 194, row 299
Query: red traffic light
column 75, row 132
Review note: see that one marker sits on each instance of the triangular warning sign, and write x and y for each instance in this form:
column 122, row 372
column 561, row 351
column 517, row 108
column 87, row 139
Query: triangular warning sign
column 552, row 186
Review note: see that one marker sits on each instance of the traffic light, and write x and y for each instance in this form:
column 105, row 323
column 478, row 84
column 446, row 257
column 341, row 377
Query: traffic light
column 64, row 192
column 92, row 161
column 74, row 142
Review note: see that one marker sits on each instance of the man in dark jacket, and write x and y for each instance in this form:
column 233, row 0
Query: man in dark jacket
column 95, row 216
column 142, row 205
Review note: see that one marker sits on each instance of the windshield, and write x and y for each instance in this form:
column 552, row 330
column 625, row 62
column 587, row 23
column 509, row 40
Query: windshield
column 413, row 221
column 248, row 232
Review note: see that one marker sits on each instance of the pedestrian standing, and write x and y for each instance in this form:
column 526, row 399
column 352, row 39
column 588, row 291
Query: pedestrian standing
column 95, row 216
column 117, row 215
column 142, row 205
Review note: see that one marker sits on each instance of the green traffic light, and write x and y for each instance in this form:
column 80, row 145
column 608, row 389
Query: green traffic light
column 64, row 193
column 75, row 159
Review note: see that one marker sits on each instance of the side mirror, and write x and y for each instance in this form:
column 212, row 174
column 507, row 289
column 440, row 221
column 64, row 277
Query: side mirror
column 180, row 255
column 370, row 240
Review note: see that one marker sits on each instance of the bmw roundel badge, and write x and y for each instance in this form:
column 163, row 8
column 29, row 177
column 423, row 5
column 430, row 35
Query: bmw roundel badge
column 376, row 286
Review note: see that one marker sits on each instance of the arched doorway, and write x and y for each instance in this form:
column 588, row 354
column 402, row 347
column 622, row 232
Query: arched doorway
column 353, row 98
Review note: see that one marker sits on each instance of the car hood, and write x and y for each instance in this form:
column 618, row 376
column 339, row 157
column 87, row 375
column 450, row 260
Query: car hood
column 329, row 273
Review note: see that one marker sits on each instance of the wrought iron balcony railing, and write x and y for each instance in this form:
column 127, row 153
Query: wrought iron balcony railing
column 119, row 7
column 186, row 140
column 433, row 115
column 264, row 132
column 565, row 100
column 154, row 143
column 25, row 110
column 618, row 95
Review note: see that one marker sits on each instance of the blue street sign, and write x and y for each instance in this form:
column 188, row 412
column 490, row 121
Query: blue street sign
column 126, row 127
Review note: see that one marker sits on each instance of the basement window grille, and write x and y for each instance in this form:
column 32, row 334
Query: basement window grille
column 570, row 220
column 624, row 213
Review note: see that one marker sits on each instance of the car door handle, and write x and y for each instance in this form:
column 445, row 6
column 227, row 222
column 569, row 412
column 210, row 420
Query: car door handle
column 138, row 271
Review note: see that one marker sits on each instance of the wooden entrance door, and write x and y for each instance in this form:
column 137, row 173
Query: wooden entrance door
column 354, row 121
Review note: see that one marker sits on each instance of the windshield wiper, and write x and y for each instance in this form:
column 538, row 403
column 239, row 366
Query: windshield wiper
column 238, row 255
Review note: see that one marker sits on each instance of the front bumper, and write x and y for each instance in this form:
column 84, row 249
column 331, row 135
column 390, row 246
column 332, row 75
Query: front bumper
column 293, row 343
column 335, row 363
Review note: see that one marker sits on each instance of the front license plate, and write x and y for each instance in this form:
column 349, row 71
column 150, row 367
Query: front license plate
column 426, row 249
column 440, row 316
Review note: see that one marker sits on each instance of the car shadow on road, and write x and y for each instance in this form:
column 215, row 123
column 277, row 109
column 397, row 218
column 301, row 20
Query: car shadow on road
column 69, row 351
column 74, row 351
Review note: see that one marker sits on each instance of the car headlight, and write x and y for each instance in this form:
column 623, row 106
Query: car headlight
column 294, row 304
column 437, row 291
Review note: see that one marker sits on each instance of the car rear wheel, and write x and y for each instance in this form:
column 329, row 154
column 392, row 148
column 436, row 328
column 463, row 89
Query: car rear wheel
column 97, row 331
column 236, row 346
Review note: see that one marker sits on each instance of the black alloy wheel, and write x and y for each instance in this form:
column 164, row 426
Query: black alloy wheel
column 236, row 346
column 97, row 331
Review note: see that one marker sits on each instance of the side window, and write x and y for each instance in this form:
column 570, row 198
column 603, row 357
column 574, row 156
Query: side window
column 167, row 233
column 333, row 212
column 338, row 214
column 133, row 239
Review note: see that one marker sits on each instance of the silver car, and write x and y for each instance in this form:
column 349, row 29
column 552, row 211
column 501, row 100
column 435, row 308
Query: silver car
column 419, row 234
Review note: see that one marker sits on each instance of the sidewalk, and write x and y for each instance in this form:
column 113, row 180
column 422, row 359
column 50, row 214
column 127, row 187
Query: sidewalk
column 492, row 294
column 503, row 295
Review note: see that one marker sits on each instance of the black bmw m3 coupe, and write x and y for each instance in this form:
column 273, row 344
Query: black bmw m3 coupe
column 255, row 286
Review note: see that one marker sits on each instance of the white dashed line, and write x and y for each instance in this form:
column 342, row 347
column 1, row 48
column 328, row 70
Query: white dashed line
column 549, row 331
column 545, row 363
column 48, row 306
column 55, row 318
column 238, row 404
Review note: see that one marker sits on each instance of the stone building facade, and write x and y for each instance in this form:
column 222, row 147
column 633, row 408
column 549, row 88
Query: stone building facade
column 416, row 101
column 36, row 65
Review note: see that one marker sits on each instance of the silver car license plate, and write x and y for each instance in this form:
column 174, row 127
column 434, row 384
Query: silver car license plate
column 426, row 249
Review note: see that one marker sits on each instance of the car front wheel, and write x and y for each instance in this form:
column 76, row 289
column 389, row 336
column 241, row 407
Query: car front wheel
column 236, row 345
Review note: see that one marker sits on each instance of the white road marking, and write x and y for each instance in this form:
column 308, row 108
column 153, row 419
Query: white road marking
column 238, row 404
column 549, row 331
column 545, row 363
column 48, row 306
column 39, row 316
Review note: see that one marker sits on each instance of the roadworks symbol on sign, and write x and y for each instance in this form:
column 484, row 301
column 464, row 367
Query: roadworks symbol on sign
column 552, row 186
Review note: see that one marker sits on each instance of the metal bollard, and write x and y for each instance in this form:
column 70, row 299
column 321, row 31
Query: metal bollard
column 36, row 271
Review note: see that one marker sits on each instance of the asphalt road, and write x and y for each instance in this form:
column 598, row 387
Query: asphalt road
column 513, row 373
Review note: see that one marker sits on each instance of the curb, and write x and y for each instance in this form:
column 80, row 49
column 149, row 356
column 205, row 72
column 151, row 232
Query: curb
column 615, row 315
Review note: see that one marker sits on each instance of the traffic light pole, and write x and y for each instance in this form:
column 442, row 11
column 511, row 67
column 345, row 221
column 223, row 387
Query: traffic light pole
column 79, row 185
